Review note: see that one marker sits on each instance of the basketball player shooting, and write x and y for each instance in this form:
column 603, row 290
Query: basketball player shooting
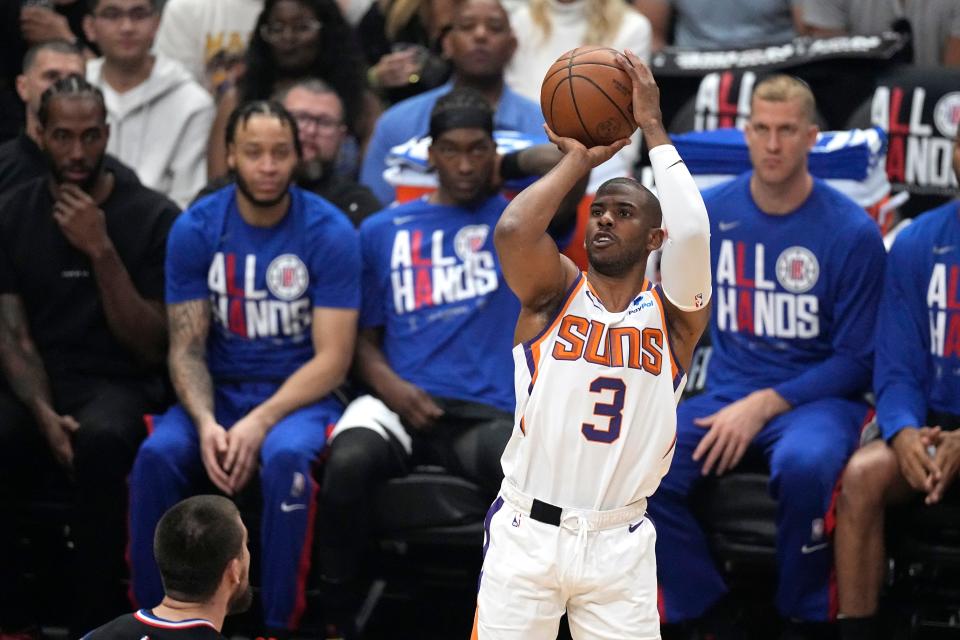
column 600, row 360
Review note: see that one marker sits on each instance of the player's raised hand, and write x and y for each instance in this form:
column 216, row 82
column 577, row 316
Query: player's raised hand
column 594, row 155
column 646, row 99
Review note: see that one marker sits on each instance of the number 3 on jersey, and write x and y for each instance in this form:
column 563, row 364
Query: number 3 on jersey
column 612, row 410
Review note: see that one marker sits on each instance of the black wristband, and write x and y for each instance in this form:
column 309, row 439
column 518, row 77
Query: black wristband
column 510, row 166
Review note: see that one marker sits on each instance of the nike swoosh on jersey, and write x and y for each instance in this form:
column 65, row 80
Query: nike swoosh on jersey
column 726, row 226
column 634, row 527
column 805, row 549
column 287, row 508
column 403, row 220
column 939, row 251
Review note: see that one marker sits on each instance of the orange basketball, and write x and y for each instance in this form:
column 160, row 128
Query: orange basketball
column 587, row 96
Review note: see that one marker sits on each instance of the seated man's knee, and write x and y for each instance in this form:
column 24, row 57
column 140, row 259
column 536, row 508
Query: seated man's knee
column 868, row 477
column 356, row 458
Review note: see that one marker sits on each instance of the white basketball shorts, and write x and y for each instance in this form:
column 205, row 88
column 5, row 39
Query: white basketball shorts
column 598, row 566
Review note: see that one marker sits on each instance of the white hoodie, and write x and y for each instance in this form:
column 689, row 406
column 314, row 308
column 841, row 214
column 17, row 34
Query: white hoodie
column 160, row 128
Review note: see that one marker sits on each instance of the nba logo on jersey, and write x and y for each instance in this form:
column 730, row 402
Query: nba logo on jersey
column 516, row 519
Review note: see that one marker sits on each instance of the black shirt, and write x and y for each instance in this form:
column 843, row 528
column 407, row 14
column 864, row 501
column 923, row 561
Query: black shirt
column 21, row 160
column 143, row 625
column 56, row 281
column 351, row 197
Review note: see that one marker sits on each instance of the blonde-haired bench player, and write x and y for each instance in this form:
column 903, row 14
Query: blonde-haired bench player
column 600, row 359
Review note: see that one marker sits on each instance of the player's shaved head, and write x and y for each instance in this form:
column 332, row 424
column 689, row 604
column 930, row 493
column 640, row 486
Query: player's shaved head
column 645, row 200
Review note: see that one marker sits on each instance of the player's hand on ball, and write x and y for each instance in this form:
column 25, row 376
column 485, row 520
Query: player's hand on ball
column 646, row 93
column 594, row 155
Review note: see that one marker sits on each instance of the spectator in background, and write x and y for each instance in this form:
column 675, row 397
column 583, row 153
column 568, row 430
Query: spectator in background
column 721, row 24
column 318, row 111
column 26, row 23
column 21, row 158
column 201, row 550
column 209, row 38
column 401, row 40
column 82, row 339
column 434, row 359
column 294, row 40
column 262, row 294
column 479, row 46
column 552, row 27
column 917, row 382
column 934, row 24
column 792, row 333
column 159, row 116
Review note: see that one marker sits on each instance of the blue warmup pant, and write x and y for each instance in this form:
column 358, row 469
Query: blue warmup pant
column 168, row 469
column 806, row 449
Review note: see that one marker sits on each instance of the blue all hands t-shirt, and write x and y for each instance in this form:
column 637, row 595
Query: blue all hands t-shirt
column 795, row 295
column 262, row 282
column 432, row 280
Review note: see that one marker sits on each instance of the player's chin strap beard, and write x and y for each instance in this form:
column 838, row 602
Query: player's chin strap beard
column 242, row 185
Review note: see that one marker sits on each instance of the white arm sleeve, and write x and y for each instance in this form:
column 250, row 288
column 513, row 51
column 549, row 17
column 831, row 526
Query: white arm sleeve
column 685, row 262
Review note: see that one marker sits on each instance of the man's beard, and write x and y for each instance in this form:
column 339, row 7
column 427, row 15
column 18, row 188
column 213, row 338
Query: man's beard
column 241, row 600
column 88, row 184
column 617, row 266
column 245, row 190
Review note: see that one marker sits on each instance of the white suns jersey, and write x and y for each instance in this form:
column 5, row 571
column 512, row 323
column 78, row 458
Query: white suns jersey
column 597, row 395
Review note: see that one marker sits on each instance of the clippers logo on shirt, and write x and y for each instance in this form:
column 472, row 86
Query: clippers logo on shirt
column 428, row 271
column 243, row 306
column 943, row 299
column 749, row 301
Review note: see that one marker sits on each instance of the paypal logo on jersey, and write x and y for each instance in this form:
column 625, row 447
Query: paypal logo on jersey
column 641, row 302
column 435, row 270
column 280, row 308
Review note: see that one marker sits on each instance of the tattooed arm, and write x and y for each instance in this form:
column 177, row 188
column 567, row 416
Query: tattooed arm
column 189, row 324
column 28, row 378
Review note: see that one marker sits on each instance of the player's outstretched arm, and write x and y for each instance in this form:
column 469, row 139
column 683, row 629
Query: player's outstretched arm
column 685, row 263
column 529, row 257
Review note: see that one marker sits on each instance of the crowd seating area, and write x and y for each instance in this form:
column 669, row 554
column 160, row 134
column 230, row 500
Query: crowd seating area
column 376, row 59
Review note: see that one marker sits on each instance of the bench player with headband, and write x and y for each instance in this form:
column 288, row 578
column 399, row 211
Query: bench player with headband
column 600, row 361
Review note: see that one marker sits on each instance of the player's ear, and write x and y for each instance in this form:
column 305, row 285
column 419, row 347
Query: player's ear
column 655, row 239
column 232, row 156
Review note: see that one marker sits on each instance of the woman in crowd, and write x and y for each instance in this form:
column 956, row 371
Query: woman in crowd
column 293, row 40
column 401, row 40
column 548, row 28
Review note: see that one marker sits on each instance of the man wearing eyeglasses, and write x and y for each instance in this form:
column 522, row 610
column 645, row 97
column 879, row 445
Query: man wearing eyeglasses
column 318, row 111
column 159, row 116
